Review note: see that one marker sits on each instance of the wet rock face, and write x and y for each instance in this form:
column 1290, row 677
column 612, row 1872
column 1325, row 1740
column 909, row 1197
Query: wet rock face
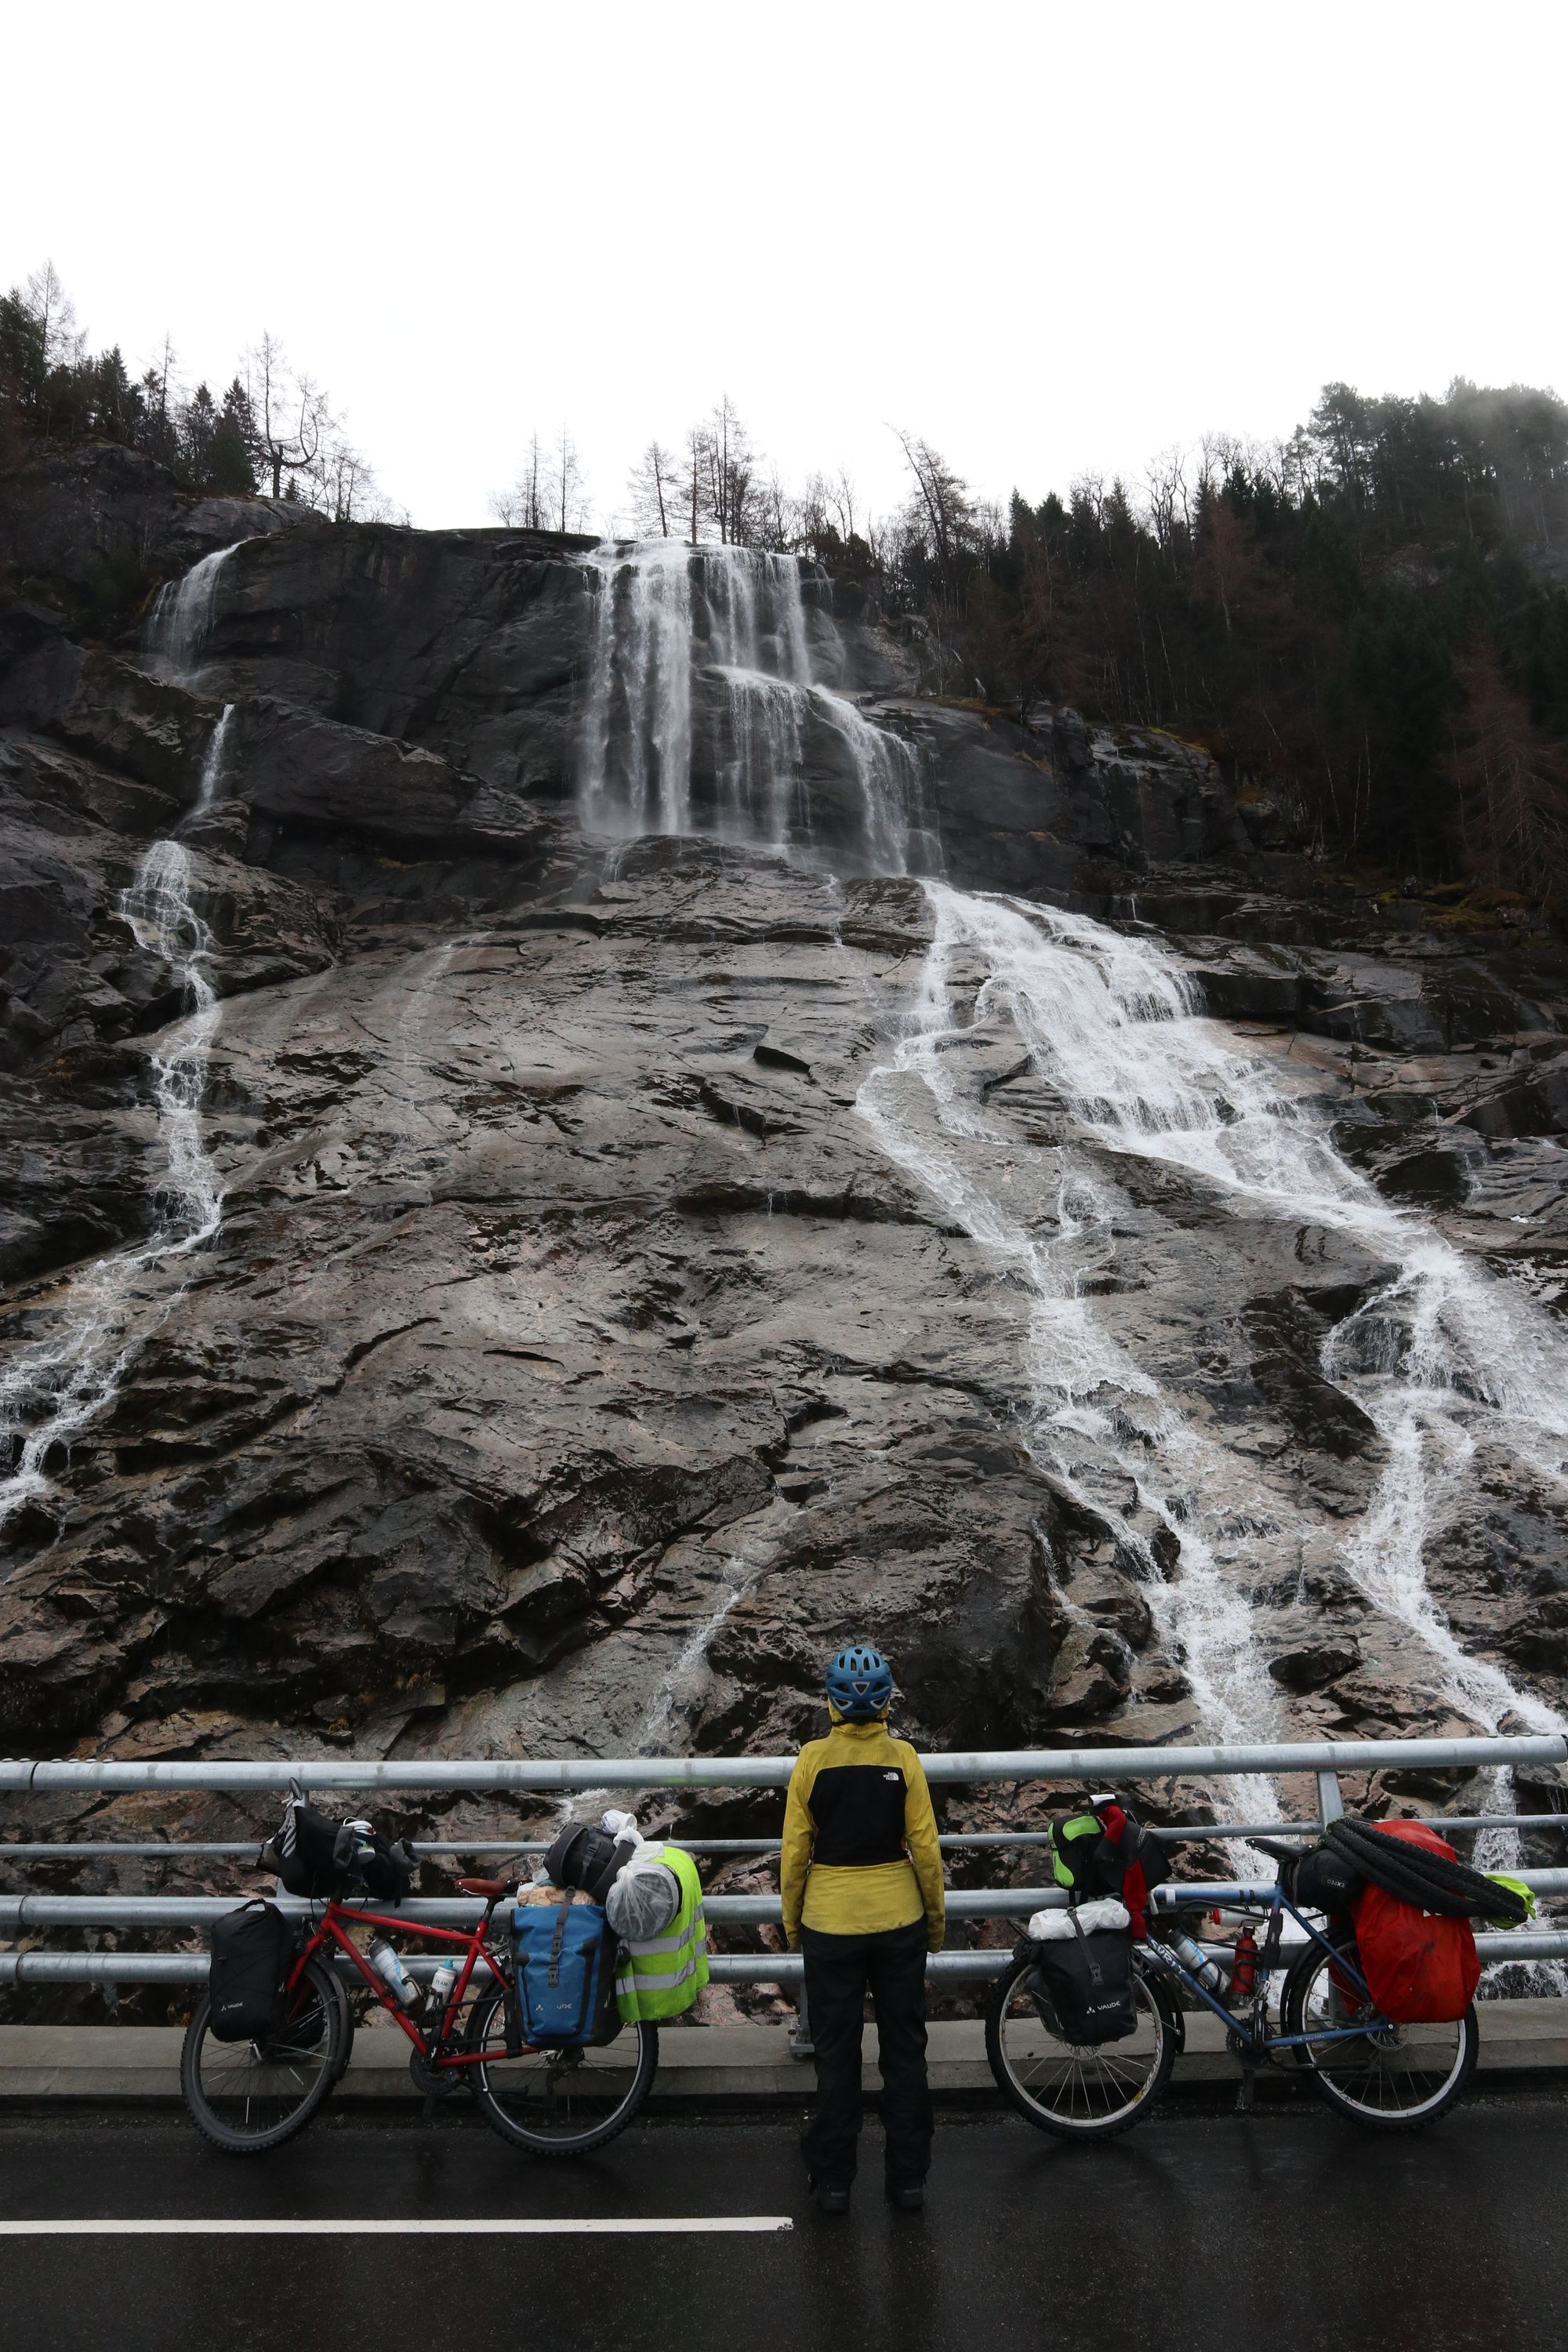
column 86, row 531
column 578, row 1362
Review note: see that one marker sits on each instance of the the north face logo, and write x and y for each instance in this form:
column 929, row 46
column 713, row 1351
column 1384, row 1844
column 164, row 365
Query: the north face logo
column 892, row 1776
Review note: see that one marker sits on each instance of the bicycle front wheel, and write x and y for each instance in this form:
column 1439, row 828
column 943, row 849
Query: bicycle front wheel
column 558, row 2102
column 1079, row 2090
column 1395, row 2077
column 248, row 2096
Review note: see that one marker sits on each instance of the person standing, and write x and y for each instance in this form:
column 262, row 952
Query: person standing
column 860, row 1874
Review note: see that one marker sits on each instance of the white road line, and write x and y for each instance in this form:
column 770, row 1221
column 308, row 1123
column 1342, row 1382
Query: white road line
column 484, row 2226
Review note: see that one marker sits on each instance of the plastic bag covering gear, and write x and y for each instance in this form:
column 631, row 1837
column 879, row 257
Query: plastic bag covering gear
column 642, row 1901
column 662, row 1976
column 1420, row 1968
column 1056, row 1927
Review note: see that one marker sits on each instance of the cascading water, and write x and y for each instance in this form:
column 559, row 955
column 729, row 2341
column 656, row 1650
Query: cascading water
column 1442, row 1358
column 50, row 1392
column 182, row 613
column 702, row 706
column 658, row 1723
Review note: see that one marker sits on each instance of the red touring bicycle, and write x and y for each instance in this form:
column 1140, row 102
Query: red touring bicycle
column 248, row 2096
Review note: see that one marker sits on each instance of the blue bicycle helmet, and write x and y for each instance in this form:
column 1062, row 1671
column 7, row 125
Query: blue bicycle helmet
column 860, row 1683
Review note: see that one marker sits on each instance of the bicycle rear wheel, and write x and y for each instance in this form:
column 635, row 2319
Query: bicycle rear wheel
column 1395, row 2078
column 558, row 2102
column 248, row 2096
column 1078, row 2090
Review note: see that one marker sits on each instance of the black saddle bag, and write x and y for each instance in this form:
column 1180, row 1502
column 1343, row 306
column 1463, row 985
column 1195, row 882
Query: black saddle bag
column 1325, row 1879
column 252, row 1950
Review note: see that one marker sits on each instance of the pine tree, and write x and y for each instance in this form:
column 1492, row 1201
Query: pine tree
column 231, row 463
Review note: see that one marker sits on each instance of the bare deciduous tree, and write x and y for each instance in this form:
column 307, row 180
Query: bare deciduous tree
column 568, row 487
column 1511, row 786
column 525, row 507
column 290, row 413
column 693, row 480
column 732, row 497
column 655, row 488
column 51, row 307
column 942, row 508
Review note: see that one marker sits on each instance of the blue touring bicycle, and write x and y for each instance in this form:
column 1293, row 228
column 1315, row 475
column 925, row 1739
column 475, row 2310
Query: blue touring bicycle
column 1395, row 2077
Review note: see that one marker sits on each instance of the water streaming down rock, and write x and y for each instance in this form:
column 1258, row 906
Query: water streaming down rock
column 52, row 1391
column 1441, row 1356
column 658, row 1726
column 703, row 715
column 1093, row 1418
column 182, row 615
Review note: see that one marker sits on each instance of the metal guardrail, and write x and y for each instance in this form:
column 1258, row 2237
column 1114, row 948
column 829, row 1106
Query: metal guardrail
column 565, row 1773
column 1325, row 1759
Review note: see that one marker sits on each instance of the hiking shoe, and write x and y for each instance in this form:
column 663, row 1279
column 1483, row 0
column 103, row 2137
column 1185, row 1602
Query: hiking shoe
column 910, row 2199
column 830, row 2200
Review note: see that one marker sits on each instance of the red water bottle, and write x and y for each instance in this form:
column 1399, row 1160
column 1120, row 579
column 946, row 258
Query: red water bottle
column 1244, row 1972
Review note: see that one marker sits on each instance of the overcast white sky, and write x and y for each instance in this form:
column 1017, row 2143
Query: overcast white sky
column 1047, row 236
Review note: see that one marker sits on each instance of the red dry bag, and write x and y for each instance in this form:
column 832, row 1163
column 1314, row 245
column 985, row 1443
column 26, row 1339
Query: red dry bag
column 1421, row 1969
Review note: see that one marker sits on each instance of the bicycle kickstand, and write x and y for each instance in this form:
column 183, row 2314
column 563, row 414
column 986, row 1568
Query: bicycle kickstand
column 1246, row 2088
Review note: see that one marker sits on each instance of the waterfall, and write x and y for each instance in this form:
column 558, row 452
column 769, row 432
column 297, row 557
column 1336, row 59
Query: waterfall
column 1094, row 1419
column 700, row 701
column 657, row 1723
column 1442, row 1358
column 178, row 624
column 51, row 1391
column 212, row 759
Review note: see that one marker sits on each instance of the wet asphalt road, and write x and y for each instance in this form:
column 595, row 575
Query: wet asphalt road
column 1290, row 2229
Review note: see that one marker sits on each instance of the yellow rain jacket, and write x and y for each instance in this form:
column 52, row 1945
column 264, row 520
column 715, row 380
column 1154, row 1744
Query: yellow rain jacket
column 861, row 1851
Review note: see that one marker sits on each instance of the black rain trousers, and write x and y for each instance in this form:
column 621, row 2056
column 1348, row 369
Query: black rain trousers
column 839, row 1971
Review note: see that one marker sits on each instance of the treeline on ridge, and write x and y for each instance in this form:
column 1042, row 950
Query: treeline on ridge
column 1371, row 617
column 272, row 429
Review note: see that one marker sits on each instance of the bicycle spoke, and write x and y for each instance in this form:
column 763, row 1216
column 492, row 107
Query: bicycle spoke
column 1078, row 2087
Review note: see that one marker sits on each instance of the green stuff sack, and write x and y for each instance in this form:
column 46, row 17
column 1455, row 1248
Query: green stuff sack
column 1515, row 1886
column 1083, row 1859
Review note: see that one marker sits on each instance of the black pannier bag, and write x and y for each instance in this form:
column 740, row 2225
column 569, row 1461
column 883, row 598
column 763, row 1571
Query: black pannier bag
column 317, row 1857
column 252, row 1950
column 1085, row 1984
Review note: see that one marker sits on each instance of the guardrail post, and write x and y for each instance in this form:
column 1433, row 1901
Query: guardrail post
column 801, row 2044
column 1331, row 1804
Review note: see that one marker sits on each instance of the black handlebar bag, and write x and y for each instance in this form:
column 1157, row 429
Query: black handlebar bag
column 317, row 1857
column 252, row 1950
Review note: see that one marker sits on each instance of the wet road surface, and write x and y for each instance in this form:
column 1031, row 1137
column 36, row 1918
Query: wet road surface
column 1288, row 2228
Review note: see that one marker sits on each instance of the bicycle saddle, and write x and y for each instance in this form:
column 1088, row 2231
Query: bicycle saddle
column 1277, row 1851
column 488, row 1888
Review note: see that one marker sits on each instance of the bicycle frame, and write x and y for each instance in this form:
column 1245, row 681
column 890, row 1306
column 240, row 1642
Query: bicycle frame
column 331, row 1931
column 1273, row 1902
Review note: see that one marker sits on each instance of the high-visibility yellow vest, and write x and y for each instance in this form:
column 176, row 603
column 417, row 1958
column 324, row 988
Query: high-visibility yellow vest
column 664, row 1975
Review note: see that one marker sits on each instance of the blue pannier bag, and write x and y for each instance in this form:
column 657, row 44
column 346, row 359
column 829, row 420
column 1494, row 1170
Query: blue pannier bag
column 564, row 1967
